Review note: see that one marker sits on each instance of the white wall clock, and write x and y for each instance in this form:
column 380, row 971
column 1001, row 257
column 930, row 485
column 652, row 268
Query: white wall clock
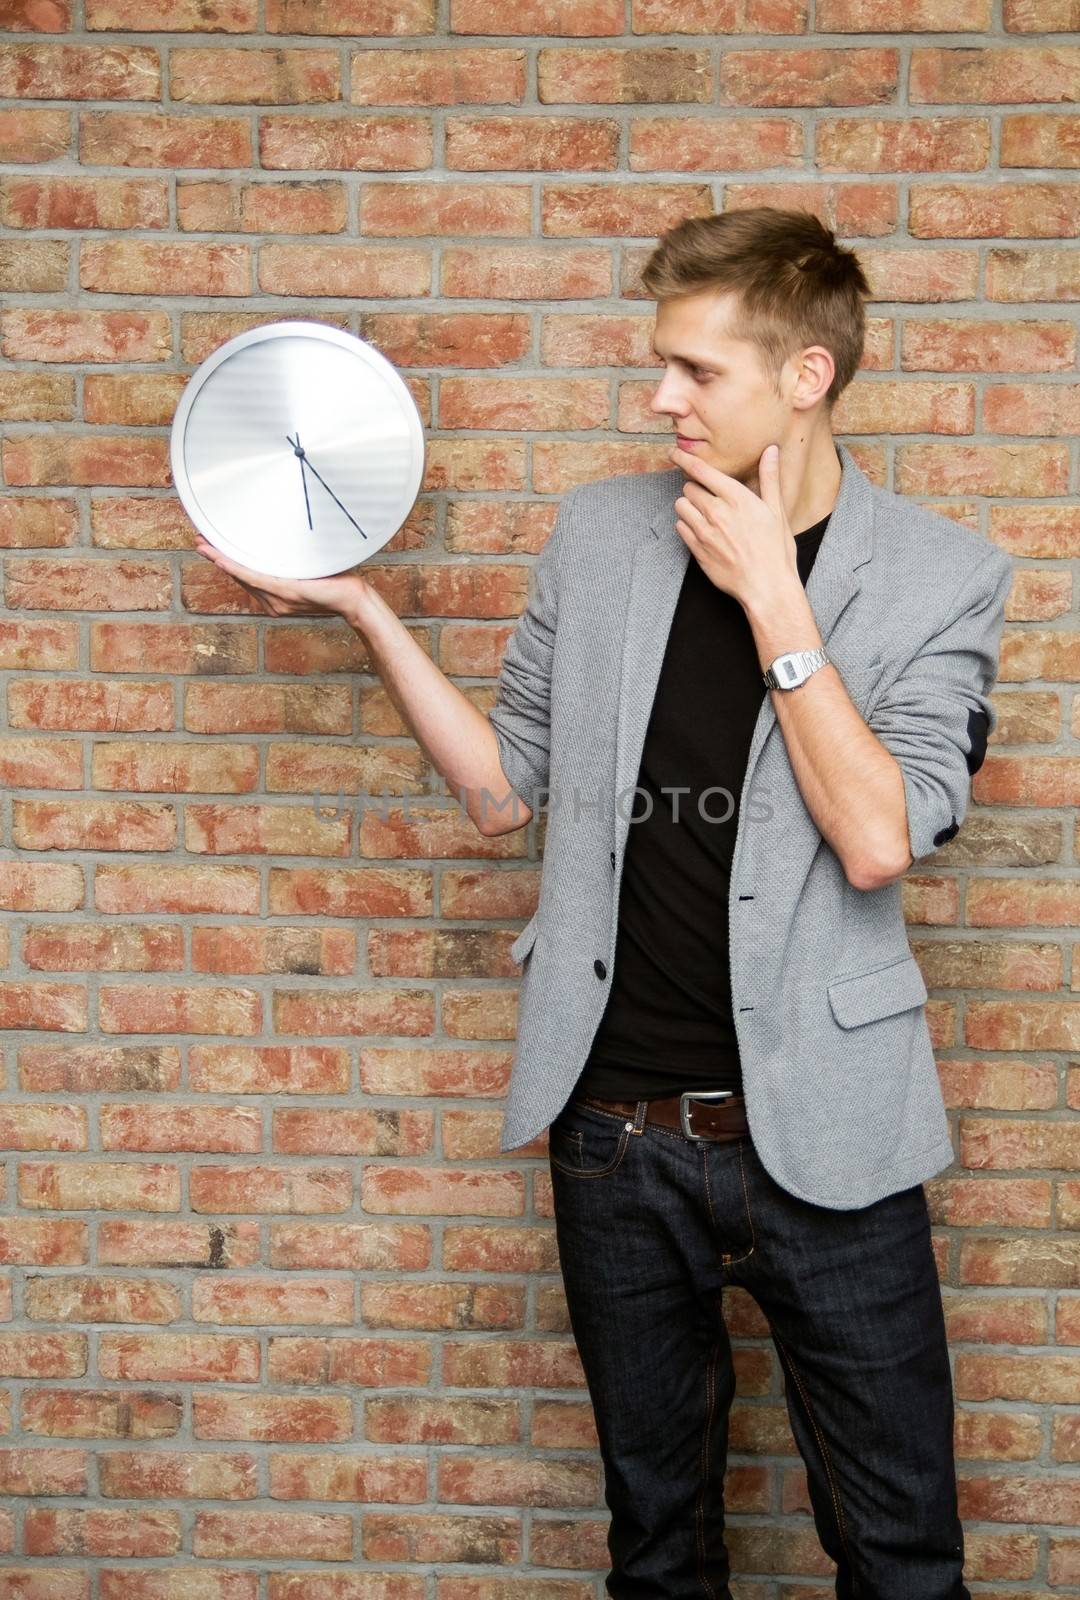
column 297, row 449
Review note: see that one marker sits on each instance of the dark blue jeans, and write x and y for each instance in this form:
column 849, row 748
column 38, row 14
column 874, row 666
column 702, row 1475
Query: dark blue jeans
column 651, row 1226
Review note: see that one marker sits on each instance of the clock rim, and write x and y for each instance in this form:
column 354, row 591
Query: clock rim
column 291, row 327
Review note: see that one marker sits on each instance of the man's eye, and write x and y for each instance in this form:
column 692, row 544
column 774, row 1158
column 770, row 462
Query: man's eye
column 699, row 374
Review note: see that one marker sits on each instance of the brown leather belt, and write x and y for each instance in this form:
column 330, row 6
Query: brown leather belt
column 694, row 1118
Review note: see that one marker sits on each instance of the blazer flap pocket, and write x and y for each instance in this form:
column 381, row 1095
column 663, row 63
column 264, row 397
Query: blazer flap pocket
column 524, row 941
column 868, row 995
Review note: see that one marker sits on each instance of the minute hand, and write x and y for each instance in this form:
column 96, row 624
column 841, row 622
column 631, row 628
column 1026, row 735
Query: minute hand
column 335, row 499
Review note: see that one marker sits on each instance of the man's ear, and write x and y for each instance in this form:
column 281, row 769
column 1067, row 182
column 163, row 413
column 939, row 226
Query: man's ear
column 815, row 371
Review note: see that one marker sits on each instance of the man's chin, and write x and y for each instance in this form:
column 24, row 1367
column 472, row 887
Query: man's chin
column 742, row 472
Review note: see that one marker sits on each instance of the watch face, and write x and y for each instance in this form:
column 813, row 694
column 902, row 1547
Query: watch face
column 297, row 450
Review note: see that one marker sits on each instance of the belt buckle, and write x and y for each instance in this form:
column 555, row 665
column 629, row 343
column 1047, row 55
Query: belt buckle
column 701, row 1094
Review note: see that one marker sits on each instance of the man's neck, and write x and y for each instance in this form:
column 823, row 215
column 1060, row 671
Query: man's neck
column 810, row 480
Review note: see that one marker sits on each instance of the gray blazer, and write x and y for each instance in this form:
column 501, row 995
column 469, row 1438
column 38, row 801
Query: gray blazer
column 842, row 1092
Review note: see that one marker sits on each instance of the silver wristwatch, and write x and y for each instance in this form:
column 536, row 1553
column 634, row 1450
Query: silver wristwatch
column 793, row 668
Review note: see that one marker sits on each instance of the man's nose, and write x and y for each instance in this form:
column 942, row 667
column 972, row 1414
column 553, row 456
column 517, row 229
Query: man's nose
column 665, row 398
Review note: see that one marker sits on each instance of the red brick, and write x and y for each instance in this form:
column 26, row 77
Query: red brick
column 1038, row 139
column 1032, row 408
column 957, row 468
column 299, row 1476
column 809, row 77
column 995, row 75
column 435, row 1306
column 524, row 143
column 547, row 1481
column 101, row 1532
column 913, row 144
column 615, row 76
column 397, row 210
column 88, row 1069
column 1040, row 16
column 272, row 1535
column 58, row 335
column 350, row 16
column 278, row 207
column 30, row 135
column 721, row 16
column 99, row 1185
column 350, row 1246
column 173, row 16
column 158, row 139
column 524, row 272
column 272, row 1189
column 958, row 344
column 1004, row 210
column 177, row 1244
column 79, row 72
column 31, row 16
column 849, row 208
column 699, row 144
column 272, row 1418
column 444, row 77
column 573, row 210
column 923, row 16
column 128, row 266
column 77, row 202
column 251, row 77
column 570, row 18
column 1037, row 274
column 482, row 1540
column 45, row 459
column 352, row 1131
column 352, row 144
column 343, row 270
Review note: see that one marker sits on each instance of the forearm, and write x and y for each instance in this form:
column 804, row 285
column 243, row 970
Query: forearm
column 454, row 735
column 851, row 784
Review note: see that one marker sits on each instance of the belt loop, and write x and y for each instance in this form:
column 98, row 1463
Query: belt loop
column 640, row 1113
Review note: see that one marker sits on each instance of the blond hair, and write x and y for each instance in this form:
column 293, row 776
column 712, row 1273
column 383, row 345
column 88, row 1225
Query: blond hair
column 795, row 285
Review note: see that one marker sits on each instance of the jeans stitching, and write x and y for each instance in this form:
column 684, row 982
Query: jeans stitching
column 699, row 1510
column 595, row 1172
column 730, row 1261
column 825, row 1456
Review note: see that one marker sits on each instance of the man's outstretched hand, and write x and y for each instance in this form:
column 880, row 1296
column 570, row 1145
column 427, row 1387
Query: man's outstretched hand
column 343, row 594
column 742, row 540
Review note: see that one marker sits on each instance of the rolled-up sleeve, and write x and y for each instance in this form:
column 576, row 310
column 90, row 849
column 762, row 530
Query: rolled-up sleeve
column 521, row 714
column 936, row 716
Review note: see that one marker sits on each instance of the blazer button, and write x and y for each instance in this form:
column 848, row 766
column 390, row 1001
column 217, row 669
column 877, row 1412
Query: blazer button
column 613, row 861
column 600, row 969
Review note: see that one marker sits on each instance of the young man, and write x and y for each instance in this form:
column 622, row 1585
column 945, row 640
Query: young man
column 720, row 1017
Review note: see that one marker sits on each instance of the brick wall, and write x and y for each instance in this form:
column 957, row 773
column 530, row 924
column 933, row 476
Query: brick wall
column 275, row 1316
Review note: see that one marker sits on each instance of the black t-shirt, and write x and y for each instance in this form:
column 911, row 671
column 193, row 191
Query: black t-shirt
column 668, row 1025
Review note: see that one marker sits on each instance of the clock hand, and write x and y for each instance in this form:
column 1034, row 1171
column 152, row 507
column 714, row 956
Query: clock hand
column 298, row 450
column 336, row 501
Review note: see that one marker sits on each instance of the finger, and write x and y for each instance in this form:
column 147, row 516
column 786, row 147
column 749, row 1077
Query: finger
column 690, row 514
column 249, row 578
column 769, row 480
column 720, row 483
column 699, row 496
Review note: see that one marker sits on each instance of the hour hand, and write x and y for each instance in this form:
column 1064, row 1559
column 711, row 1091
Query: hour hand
column 298, row 450
column 337, row 502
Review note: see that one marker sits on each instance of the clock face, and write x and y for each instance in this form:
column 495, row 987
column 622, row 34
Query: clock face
column 297, row 450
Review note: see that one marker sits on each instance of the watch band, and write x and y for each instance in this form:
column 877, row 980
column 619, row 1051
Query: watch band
column 795, row 667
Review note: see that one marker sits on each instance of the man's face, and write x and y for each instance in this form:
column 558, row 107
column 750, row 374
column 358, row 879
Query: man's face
column 715, row 388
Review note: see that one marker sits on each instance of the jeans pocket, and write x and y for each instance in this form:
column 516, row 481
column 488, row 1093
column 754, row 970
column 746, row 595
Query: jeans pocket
column 583, row 1143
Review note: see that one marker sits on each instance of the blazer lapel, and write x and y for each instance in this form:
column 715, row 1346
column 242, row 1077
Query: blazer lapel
column 657, row 571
